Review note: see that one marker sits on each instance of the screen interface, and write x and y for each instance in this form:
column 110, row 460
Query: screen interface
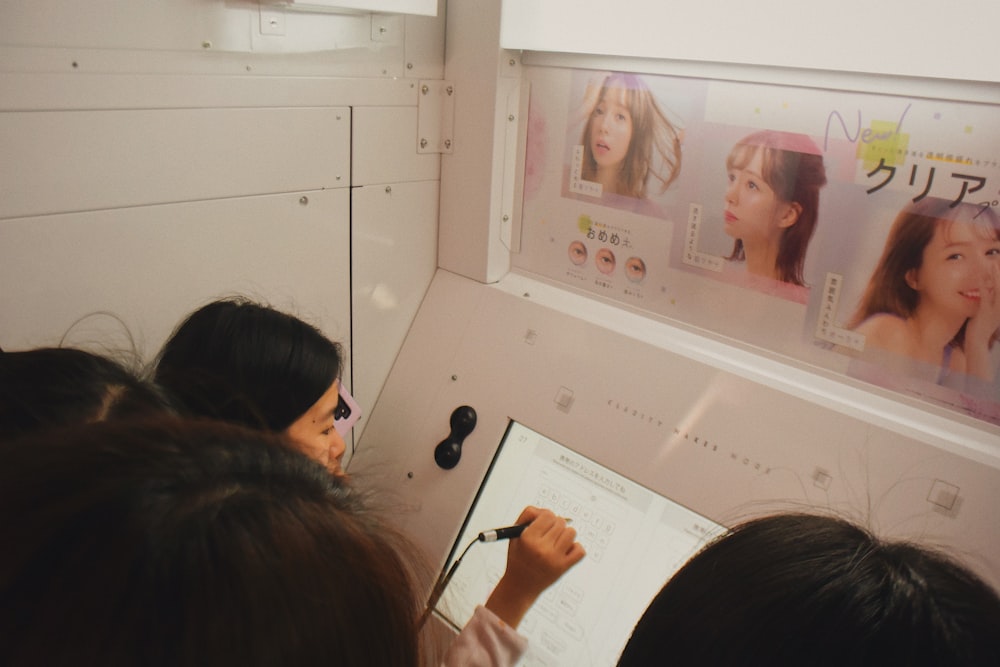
column 635, row 540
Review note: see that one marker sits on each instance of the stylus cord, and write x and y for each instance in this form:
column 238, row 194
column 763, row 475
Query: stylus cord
column 441, row 584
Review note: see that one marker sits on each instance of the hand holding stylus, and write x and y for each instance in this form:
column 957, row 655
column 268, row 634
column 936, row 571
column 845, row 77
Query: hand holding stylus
column 546, row 549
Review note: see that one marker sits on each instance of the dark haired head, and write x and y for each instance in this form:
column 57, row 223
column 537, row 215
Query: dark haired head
column 55, row 386
column 245, row 362
column 199, row 542
column 800, row 590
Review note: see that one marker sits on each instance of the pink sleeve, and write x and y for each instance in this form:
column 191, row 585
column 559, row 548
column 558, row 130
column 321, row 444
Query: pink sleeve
column 485, row 641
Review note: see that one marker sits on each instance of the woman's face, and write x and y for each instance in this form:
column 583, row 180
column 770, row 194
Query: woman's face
column 314, row 433
column 610, row 129
column 956, row 268
column 754, row 212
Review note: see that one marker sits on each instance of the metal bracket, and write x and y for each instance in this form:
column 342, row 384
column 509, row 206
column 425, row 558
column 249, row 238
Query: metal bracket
column 435, row 117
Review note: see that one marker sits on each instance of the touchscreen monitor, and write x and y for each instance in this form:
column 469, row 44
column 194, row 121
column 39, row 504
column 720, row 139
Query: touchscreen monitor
column 635, row 540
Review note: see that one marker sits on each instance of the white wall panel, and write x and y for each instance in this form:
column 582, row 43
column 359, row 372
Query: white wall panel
column 472, row 174
column 87, row 160
column 890, row 37
column 385, row 147
column 424, row 46
column 214, row 27
column 151, row 265
column 394, row 256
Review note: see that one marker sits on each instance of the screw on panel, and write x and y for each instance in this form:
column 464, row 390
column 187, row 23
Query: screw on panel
column 423, row 143
column 409, row 65
column 447, row 143
column 304, row 200
column 388, row 189
column 450, row 90
column 425, row 89
column 206, row 44
column 454, row 378
column 511, row 118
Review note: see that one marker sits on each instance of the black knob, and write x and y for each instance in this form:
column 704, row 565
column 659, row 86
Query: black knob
column 449, row 450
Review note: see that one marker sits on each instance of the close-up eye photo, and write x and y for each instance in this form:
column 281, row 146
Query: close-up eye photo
column 605, row 260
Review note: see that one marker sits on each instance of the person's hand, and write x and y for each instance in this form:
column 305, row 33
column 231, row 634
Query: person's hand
column 591, row 96
column 544, row 552
column 980, row 327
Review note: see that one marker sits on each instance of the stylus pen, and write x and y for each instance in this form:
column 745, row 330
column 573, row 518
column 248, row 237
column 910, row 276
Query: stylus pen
column 507, row 532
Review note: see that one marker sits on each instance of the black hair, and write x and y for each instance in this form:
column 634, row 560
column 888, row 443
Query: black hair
column 245, row 362
column 54, row 386
column 808, row 590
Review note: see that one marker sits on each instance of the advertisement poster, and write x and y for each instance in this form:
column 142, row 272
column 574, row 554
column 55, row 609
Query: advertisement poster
column 852, row 231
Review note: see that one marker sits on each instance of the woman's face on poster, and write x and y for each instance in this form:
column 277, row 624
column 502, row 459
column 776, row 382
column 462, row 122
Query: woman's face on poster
column 957, row 267
column 753, row 210
column 610, row 129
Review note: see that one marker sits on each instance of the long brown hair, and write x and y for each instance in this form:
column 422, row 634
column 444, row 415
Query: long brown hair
column 182, row 542
column 912, row 230
column 791, row 164
column 654, row 154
